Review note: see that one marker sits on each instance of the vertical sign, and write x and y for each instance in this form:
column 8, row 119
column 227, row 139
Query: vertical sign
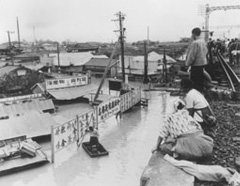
column 64, row 134
column 85, row 120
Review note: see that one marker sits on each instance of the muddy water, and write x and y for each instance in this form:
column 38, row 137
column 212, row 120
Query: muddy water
column 129, row 141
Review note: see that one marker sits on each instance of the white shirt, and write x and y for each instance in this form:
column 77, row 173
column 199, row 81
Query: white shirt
column 194, row 99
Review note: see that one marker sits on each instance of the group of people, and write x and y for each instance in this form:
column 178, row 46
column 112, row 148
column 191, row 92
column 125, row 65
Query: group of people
column 188, row 130
column 229, row 47
column 233, row 51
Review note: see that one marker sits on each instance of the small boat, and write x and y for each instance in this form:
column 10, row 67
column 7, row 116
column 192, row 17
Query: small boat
column 95, row 150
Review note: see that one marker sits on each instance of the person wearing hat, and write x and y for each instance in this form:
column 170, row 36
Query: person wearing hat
column 181, row 136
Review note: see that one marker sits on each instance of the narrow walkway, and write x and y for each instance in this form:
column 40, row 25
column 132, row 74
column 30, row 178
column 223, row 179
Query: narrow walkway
column 161, row 172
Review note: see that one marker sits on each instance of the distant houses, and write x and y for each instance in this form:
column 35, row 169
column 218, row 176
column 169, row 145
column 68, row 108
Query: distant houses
column 134, row 65
column 97, row 66
column 82, row 47
column 27, row 57
column 83, row 62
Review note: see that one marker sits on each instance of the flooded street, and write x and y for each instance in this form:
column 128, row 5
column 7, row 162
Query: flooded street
column 129, row 141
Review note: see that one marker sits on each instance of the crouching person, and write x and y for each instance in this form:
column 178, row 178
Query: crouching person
column 93, row 133
column 181, row 136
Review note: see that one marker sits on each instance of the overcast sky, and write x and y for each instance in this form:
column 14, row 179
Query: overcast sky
column 91, row 20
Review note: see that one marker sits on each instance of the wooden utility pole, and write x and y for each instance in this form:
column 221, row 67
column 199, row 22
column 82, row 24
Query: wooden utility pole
column 10, row 46
column 148, row 35
column 9, row 38
column 105, row 73
column 164, row 66
column 121, row 18
column 19, row 42
column 145, row 79
column 59, row 69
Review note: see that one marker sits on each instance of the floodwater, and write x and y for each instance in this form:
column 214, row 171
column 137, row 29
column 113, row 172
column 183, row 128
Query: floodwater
column 129, row 141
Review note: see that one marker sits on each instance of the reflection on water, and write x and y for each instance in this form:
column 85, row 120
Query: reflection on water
column 129, row 141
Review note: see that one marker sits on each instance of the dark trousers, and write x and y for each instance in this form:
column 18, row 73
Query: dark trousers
column 197, row 76
column 93, row 140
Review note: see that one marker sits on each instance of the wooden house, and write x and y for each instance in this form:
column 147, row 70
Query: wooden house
column 97, row 66
column 17, row 79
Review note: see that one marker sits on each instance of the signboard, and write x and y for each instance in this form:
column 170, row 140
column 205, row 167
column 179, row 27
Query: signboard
column 85, row 120
column 136, row 95
column 66, row 82
column 73, row 130
column 126, row 101
column 130, row 99
column 17, row 98
column 65, row 134
column 115, row 85
column 21, row 72
column 108, row 109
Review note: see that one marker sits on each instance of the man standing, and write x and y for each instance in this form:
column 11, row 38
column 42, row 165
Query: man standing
column 197, row 59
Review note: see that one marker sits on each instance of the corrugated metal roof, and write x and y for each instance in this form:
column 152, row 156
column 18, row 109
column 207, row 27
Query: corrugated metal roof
column 60, row 119
column 72, row 93
column 101, row 97
column 69, row 111
column 25, row 107
column 76, row 59
column 100, row 56
column 34, row 66
column 100, row 62
column 32, row 124
column 153, row 56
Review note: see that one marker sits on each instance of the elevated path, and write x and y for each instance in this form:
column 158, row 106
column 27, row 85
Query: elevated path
column 160, row 172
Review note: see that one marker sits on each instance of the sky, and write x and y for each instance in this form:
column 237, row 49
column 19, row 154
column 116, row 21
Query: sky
column 93, row 20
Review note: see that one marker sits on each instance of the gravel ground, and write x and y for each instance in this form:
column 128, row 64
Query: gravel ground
column 227, row 141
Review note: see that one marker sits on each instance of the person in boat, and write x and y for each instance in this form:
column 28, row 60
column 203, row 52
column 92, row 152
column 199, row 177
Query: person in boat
column 198, row 107
column 181, row 136
column 94, row 135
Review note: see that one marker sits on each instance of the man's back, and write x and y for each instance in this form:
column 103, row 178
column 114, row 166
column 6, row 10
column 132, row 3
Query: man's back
column 197, row 53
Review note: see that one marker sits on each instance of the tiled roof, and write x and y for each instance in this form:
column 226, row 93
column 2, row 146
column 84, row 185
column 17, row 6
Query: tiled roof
column 24, row 55
column 100, row 62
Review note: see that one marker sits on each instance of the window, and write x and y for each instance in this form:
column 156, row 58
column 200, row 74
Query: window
column 21, row 72
column 61, row 81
